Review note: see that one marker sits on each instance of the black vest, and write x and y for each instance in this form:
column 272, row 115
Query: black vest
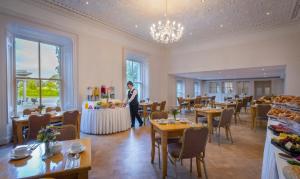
column 135, row 101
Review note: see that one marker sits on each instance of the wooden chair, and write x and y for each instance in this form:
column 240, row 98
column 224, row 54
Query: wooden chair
column 182, row 104
column 161, row 115
column 29, row 111
column 212, row 101
column 193, row 146
column 245, row 103
column 224, row 122
column 261, row 113
column 67, row 132
column 71, row 117
column 197, row 100
column 154, row 107
column 237, row 111
column 49, row 109
column 162, row 106
column 36, row 123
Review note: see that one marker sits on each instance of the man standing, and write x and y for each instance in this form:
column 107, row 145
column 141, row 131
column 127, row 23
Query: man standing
column 132, row 100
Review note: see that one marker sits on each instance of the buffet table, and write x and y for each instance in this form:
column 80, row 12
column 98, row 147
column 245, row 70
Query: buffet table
column 272, row 164
column 105, row 121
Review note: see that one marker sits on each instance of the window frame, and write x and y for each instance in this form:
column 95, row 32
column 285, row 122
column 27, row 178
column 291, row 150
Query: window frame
column 142, row 76
column 227, row 89
column 245, row 85
column 183, row 88
column 39, row 79
column 197, row 92
column 210, row 91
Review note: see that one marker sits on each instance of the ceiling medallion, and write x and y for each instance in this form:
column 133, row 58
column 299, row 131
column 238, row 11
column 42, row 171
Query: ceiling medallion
column 167, row 31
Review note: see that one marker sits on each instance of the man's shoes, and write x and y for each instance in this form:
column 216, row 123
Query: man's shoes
column 132, row 126
column 141, row 124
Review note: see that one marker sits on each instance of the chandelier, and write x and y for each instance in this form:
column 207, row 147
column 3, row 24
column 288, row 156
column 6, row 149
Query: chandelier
column 166, row 31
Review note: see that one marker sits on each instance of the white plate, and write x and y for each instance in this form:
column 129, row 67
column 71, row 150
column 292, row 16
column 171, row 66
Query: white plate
column 19, row 157
column 82, row 148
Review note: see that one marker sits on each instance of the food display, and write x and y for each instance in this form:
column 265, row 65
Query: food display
column 103, row 104
column 284, row 114
column 280, row 128
column 289, row 143
column 283, row 99
column 291, row 172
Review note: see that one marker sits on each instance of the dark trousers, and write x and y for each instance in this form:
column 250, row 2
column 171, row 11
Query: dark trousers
column 134, row 113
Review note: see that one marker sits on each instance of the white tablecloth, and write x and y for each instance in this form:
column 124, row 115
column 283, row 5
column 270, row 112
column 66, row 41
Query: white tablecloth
column 105, row 121
column 272, row 163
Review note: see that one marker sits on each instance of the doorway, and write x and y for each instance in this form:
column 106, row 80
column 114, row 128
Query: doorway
column 262, row 88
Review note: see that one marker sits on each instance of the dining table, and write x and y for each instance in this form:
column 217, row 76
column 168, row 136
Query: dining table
column 62, row 165
column 145, row 106
column 22, row 121
column 169, row 130
column 210, row 113
column 189, row 102
column 225, row 105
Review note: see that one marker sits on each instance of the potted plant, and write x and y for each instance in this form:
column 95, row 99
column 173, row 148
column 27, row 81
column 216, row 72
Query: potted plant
column 46, row 136
column 175, row 112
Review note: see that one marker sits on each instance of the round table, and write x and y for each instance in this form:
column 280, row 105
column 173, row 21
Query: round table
column 105, row 121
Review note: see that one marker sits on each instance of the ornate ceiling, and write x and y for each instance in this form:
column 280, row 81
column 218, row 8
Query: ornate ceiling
column 201, row 18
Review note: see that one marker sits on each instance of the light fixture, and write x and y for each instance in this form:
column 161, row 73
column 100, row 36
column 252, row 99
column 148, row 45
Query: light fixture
column 136, row 26
column 268, row 13
column 86, row 2
column 166, row 31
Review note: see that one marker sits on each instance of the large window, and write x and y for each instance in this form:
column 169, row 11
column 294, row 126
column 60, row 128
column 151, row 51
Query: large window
column 197, row 88
column 212, row 87
column 243, row 87
column 180, row 88
column 37, row 74
column 227, row 87
column 134, row 73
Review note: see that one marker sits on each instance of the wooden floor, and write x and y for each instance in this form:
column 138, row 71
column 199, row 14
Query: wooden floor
column 127, row 155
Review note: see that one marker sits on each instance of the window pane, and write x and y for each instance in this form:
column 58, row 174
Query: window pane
column 137, row 71
column 129, row 72
column 138, row 87
column 50, row 60
column 180, row 89
column 27, row 54
column 51, row 93
column 27, row 94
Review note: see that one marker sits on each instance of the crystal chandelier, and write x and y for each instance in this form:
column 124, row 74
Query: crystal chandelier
column 166, row 32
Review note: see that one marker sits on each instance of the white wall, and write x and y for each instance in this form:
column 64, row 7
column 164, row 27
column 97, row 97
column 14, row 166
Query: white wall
column 98, row 49
column 267, row 48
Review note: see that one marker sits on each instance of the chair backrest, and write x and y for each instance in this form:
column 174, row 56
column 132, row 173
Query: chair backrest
column 262, row 110
column 154, row 106
column 198, row 106
column 198, row 100
column 36, row 123
column 162, row 106
column 194, row 142
column 180, row 100
column 250, row 99
column 57, row 109
column 226, row 117
column 29, row 111
column 238, row 107
column 236, row 96
column 213, row 98
column 142, row 101
column 71, row 117
column 244, row 102
column 159, row 115
column 67, row 132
